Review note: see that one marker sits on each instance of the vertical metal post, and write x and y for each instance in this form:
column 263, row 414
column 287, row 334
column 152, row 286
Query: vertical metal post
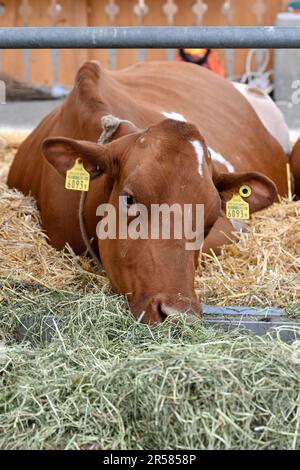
column 259, row 8
column 112, row 10
column 141, row 9
column 54, row 12
column 170, row 9
column 229, row 10
column 2, row 12
column 25, row 11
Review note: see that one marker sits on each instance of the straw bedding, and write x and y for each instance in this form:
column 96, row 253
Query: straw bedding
column 105, row 381
column 25, row 253
column 263, row 268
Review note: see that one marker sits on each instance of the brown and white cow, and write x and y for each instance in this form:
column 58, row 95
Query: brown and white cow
column 177, row 110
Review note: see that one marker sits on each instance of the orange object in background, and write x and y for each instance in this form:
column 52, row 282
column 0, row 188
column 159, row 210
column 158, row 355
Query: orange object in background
column 204, row 57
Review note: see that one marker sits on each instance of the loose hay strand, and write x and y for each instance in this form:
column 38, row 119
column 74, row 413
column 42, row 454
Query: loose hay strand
column 289, row 181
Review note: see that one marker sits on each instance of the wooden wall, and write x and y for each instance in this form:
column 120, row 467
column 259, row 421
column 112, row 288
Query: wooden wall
column 91, row 12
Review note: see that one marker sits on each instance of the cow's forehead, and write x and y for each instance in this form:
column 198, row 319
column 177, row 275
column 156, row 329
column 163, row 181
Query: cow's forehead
column 176, row 128
column 153, row 182
column 185, row 140
column 170, row 136
column 170, row 151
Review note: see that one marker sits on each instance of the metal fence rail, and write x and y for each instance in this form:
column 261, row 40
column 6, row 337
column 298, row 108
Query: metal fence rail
column 150, row 37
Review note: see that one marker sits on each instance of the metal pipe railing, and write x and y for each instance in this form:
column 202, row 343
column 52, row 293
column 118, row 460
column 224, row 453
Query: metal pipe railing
column 150, row 37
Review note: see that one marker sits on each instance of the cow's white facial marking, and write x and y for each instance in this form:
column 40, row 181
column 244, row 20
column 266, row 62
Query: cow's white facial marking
column 217, row 157
column 200, row 154
column 175, row 116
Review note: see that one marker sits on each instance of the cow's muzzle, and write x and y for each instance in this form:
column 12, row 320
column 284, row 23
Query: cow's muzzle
column 160, row 308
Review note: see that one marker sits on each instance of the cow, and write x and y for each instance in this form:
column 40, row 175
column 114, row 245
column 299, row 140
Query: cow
column 295, row 166
column 269, row 114
column 190, row 137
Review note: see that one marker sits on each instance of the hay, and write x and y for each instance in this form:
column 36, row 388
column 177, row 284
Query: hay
column 26, row 255
column 108, row 382
column 262, row 268
column 105, row 381
column 24, row 251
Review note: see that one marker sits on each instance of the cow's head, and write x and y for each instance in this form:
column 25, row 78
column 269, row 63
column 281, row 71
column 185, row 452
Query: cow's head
column 167, row 163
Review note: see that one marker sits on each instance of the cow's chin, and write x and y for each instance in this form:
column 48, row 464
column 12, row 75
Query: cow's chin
column 159, row 308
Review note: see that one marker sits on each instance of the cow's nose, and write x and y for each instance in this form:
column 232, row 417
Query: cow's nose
column 192, row 311
column 158, row 310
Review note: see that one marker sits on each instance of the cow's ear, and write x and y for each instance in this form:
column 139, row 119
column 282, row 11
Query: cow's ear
column 263, row 190
column 62, row 152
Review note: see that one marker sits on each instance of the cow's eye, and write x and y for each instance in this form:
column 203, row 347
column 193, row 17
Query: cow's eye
column 127, row 199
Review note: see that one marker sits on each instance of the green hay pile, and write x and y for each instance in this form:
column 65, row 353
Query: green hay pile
column 105, row 381
column 78, row 372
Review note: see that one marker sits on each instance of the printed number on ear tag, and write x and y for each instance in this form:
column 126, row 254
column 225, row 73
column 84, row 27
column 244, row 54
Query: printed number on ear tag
column 237, row 208
column 77, row 178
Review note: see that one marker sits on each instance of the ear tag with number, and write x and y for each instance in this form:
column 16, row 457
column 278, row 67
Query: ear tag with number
column 77, row 178
column 237, row 208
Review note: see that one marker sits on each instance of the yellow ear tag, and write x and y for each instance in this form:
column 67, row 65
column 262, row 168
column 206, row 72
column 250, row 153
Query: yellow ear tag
column 237, row 208
column 77, row 178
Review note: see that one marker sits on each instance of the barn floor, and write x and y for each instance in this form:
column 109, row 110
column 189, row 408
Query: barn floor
column 24, row 115
column 105, row 381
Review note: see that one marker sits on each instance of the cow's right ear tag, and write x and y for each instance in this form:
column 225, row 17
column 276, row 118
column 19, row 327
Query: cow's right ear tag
column 77, row 178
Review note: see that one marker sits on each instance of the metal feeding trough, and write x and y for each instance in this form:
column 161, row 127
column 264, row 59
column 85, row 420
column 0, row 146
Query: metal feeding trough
column 244, row 319
column 256, row 321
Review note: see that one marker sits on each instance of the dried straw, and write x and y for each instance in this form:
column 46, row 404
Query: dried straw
column 262, row 268
column 24, row 251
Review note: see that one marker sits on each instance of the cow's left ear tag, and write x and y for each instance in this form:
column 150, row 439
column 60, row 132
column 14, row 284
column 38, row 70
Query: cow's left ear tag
column 237, row 208
column 77, row 178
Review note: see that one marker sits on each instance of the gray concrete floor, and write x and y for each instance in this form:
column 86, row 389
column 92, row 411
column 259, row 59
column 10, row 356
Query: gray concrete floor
column 24, row 115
